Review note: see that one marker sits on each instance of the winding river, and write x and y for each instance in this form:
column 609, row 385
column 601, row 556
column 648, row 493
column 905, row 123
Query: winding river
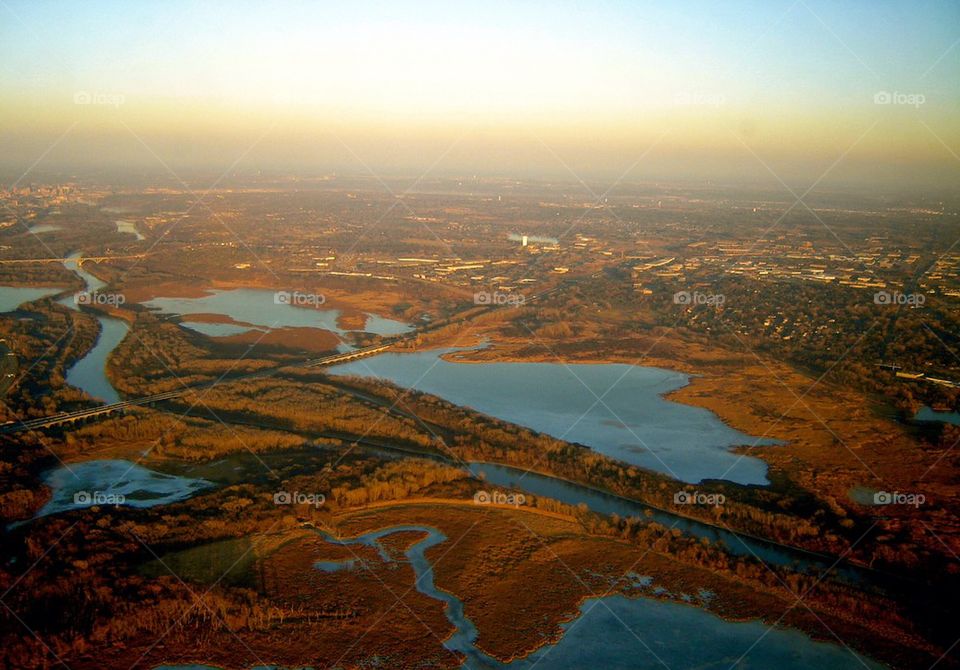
column 90, row 372
column 617, row 632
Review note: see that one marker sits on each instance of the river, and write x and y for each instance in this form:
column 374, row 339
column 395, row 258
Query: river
column 90, row 372
column 11, row 297
column 616, row 632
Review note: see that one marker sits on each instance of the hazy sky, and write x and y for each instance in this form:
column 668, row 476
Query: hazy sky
column 691, row 89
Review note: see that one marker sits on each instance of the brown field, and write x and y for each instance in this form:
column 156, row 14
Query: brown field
column 312, row 340
column 522, row 574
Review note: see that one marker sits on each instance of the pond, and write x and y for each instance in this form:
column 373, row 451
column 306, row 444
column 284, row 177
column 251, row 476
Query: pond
column 86, row 484
column 128, row 227
column 930, row 414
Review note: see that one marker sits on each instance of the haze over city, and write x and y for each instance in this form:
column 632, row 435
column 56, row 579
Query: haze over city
column 494, row 88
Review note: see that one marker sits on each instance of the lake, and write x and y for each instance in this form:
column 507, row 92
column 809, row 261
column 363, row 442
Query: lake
column 259, row 308
column 614, row 408
column 620, row 633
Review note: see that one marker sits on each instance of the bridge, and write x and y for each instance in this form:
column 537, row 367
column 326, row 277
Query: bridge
column 81, row 259
column 90, row 412
column 347, row 356
column 80, row 415
column 77, row 416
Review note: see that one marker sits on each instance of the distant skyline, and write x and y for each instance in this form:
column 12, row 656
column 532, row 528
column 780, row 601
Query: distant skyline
column 852, row 92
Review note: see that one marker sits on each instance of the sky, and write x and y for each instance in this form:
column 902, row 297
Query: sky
column 860, row 91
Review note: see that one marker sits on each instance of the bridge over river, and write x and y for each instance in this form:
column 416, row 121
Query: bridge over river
column 80, row 415
column 68, row 418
